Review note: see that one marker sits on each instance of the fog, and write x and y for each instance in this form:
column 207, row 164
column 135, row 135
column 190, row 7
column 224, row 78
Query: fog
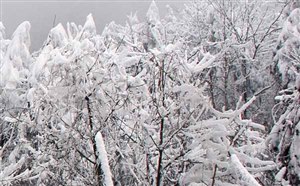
column 43, row 14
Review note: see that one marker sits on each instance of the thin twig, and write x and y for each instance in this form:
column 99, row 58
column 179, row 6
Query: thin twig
column 84, row 156
column 214, row 175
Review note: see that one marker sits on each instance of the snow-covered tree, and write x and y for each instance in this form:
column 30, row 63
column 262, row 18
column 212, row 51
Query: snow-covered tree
column 243, row 34
column 283, row 139
column 138, row 104
column 18, row 149
column 226, row 149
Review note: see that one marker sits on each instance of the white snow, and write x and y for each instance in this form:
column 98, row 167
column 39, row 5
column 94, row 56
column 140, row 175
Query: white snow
column 280, row 174
column 2, row 31
column 153, row 14
column 58, row 36
column 41, row 61
column 241, row 172
column 22, row 33
column 9, row 171
column 103, row 159
column 9, row 76
column 10, row 120
column 90, row 25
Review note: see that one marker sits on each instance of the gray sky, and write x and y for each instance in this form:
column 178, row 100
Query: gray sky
column 41, row 13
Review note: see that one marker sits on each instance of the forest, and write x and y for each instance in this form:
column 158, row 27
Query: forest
column 205, row 96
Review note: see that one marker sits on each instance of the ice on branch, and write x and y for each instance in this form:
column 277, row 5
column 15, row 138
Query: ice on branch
column 58, row 36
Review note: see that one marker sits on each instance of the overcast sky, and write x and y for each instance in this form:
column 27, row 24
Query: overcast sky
column 42, row 13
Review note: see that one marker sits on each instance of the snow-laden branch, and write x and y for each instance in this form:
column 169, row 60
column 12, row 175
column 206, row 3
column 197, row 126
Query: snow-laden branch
column 241, row 172
column 103, row 159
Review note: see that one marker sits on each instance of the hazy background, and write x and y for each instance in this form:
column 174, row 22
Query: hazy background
column 42, row 13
